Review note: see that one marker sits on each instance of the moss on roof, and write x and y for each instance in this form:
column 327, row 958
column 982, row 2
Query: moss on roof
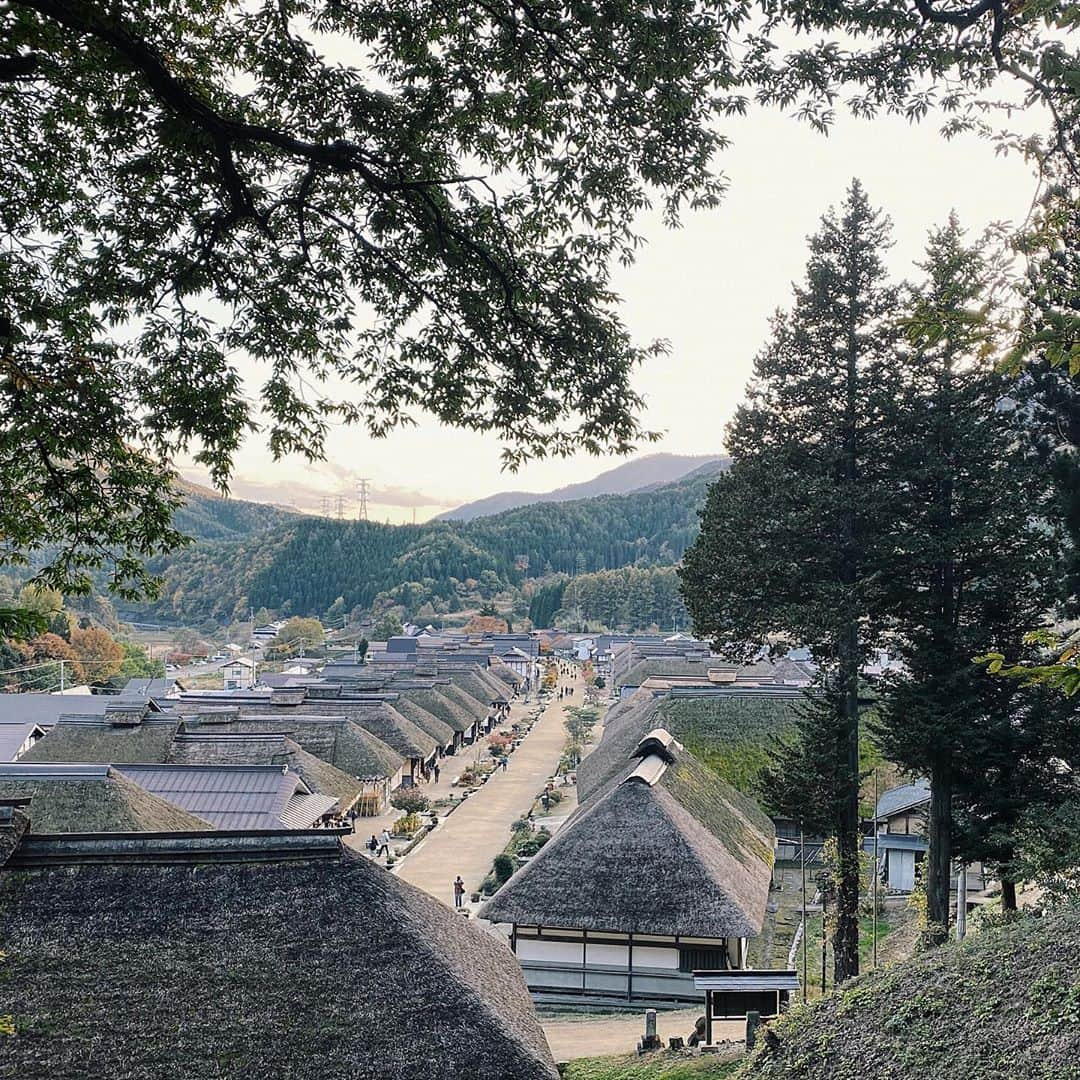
column 427, row 721
column 729, row 732
column 111, row 803
column 103, row 742
column 999, row 1006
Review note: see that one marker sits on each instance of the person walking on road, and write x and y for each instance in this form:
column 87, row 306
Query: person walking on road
column 437, row 769
column 384, row 844
column 459, row 892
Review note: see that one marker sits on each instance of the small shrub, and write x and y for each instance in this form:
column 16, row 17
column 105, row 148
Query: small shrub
column 503, row 867
column 407, row 825
column 412, row 802
column 521, row 825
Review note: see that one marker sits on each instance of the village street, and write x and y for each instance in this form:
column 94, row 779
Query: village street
column 468, row 840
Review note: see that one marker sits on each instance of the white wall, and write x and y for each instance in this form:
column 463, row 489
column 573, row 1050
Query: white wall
column 555, row 952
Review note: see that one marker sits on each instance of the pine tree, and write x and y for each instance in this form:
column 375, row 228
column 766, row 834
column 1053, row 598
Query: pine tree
column 971, row 564
column 792, row 539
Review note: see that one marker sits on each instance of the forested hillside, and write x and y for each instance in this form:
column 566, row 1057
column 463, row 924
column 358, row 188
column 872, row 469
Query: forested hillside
column 301, row 565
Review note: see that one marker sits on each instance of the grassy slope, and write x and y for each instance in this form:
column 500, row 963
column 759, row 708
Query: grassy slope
column 660, row 1066
column 1004, row 1005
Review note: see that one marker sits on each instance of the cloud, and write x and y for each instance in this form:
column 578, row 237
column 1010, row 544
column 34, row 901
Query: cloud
column 309, row 497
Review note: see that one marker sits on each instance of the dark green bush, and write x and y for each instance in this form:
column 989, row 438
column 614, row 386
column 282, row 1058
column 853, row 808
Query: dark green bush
column 503, row 867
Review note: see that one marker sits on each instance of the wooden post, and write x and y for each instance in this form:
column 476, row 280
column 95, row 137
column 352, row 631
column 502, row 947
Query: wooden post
column 630, row 967
column 584, row 958
column 708, row 1016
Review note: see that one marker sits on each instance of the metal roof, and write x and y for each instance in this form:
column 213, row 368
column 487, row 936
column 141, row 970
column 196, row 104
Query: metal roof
column 896, row 842
column 228, row 796
column 46, row 709
column 19, row 770
column 13, row 736
column 746, row 980
column 903, row 798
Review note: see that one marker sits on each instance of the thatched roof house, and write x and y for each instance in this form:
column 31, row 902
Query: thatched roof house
column 271, row 955
column 91, row 798
column 667, row 869
column 338, row 742
column 102, row 739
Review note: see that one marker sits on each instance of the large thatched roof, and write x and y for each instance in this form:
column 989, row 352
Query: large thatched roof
column 316, row 967
column 475, row 707
column 91, row 798
column 96, row 739
column 478, row 686
column 667, row 848
column 332, row 739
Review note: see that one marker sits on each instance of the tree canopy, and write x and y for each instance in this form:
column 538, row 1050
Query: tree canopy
column 387, row 209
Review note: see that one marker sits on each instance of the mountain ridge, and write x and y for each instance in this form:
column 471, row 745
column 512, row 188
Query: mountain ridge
column 640, row 474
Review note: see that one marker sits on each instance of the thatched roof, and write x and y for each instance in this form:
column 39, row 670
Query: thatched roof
column 270, row 748
column 412, row 710
column 386, row 723
column 96, row 739
column 332, row 739
column 91, row 798
column 438, row 702
column 479, row 686
column 725, row 721
column 476, row 708
column 316, row 967
column 667, row 848
column 504, row 674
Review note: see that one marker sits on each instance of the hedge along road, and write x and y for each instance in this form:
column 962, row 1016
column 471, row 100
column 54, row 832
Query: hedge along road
column 468, row 840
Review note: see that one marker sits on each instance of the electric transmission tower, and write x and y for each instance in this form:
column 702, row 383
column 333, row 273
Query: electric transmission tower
column 339, row 507
column 363, row 489
column 326, row 506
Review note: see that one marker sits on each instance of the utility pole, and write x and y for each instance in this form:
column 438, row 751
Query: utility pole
column 363, row 490
column 877, row 872
column 961, row 901
column 802, row 865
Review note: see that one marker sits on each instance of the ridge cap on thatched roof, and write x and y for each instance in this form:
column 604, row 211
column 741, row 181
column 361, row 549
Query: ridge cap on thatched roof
column 657, row 742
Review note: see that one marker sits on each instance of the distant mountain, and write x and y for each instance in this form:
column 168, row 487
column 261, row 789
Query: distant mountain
column 641, row 474
column 302, row 564
column 206, row 515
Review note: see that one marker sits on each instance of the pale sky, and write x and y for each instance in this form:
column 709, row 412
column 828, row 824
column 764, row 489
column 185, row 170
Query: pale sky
column 707, row 288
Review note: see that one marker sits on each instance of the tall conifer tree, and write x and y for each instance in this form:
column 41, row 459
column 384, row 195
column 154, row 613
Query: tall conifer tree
column 973, row 562
column 793, row 539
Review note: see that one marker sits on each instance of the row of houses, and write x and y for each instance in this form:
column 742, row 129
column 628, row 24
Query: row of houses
column 351, row 741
